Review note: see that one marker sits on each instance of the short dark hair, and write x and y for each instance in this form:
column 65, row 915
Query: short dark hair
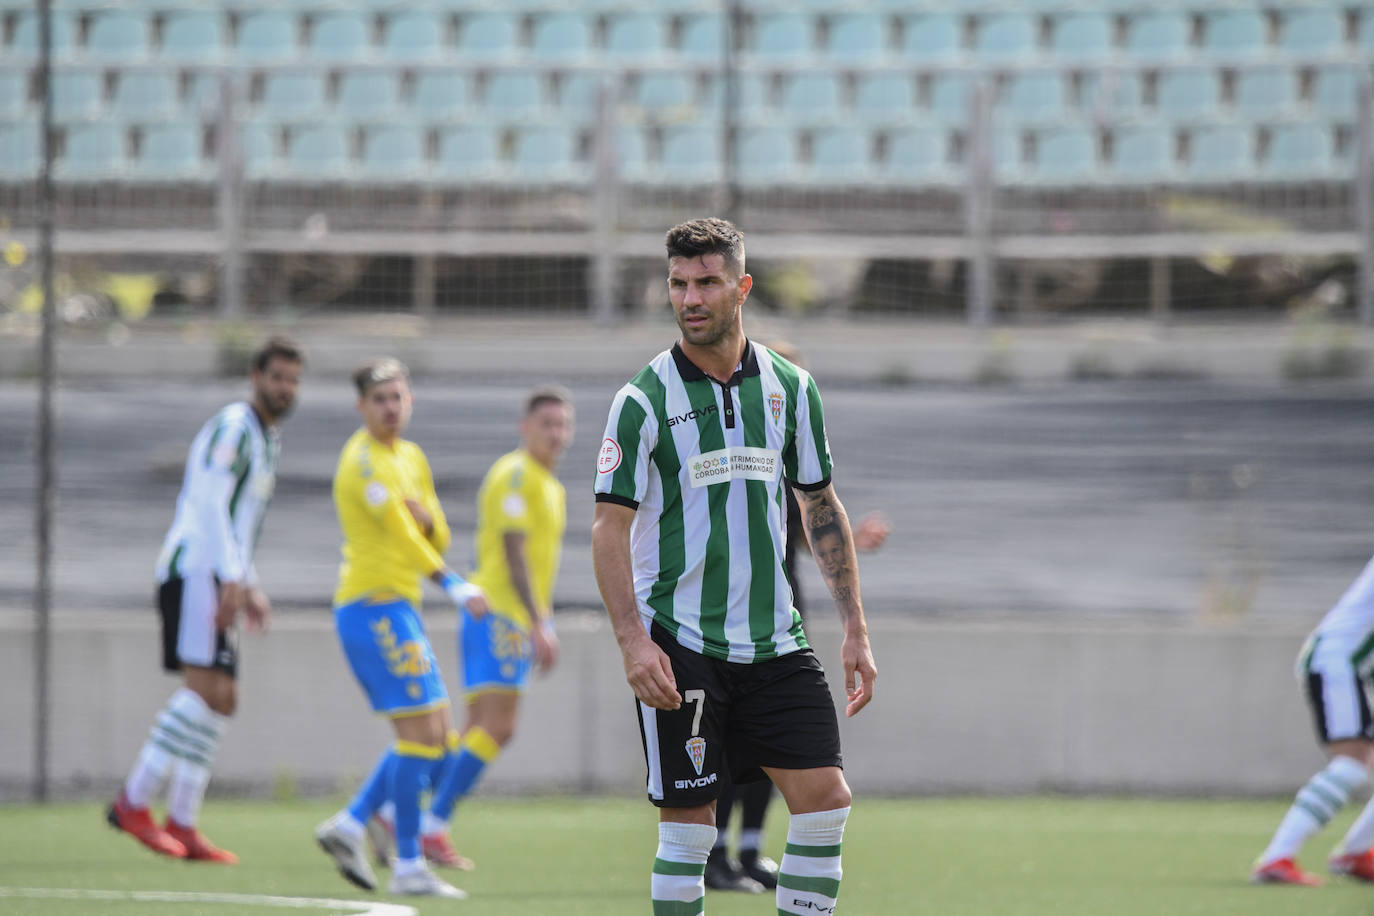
column 380, row 370
column 276, row 348
column 547, row 394
column 698, row 237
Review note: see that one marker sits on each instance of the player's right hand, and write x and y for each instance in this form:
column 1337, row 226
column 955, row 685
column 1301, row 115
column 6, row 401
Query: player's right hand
column 650, row 674
column 231, row 600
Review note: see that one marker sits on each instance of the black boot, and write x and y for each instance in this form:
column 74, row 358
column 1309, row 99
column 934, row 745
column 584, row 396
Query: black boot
column 723, row 874
column 761, row 868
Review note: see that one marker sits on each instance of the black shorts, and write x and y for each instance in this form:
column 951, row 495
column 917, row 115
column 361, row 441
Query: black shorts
column 737, row 718
column 189, row 634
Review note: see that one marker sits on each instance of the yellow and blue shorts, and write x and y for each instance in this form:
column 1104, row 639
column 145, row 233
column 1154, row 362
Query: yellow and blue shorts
column 497, row 654
column 386, row 646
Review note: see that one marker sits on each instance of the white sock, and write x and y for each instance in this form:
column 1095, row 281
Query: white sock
column 749, row 838
column 678, row 885
column 809, row 875
column 165, row 744
column 408, row 866
column 203, row 729
column 1360, row 837
column 387, row 811
column 1317, row 802
column 430, row 825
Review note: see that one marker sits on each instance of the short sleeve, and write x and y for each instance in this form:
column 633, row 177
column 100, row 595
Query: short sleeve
column 622, row 463
column 812, row 444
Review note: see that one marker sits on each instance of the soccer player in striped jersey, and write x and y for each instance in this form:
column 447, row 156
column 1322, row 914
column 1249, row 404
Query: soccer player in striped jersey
column 206, row 582
column 394, row 534
column 688, row 543
column 1334, row 669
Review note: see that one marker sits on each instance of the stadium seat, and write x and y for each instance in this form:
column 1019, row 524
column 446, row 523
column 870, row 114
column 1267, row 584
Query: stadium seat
column 1112, row 92
column 513, row 94
column 20, row 156
column 840, row 156
column 1157, row 35
column 14, row 94
column 562, row 36
column 546, row 153
column 767, row 156
column 470, row 152
column 488, row 35
column 779, row 35
column 1066, row 155
column 118, row 33
column 413, row 37
column 258, row 144
column 1336, row 91
column 93, row 151
column 1142, row 153
column 341, row 36
column 367, row 94
column 631, row 154
column 752, row 95
column 1234, row 33
column 659, row 92
column 77, row 94
column 951, row 96
column 1221, row 153
column 146, row 94
column 1364, row 30
column 192, row 35
column 1317, row 31
column 575, row 95
column 393, row 151
column 809, row 98
column 317, row 151
column 859, row 37
column 1004, row 37
column 1188, row 92
column 885, row 97
column 1033, row 96
column 636, row 35
column 266, row 36
column 1265, row 90
column 918, row 154
column 932, row 37
column 170, row 152
column 693, row 153
column 1081, row 36
column 290, row 94
column 24, row 42
column 1007, row 154
column 442, row 94
column 1299, row 151
column 703, row 36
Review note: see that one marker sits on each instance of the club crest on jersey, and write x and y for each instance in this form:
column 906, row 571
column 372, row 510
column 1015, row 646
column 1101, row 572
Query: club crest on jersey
column 696, row 750
column 775, row 402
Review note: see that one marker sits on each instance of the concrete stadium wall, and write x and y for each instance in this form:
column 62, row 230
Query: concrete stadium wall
column 982, row 707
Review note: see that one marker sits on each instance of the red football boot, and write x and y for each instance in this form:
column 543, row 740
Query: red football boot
column 139, row 824
column 198, row 848
column 1283, row 871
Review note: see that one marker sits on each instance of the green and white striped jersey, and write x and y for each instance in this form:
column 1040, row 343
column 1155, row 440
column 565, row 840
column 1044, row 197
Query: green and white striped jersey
column 703, row 464
column 231, row 471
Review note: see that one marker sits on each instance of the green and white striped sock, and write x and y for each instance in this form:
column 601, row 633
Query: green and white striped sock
column 809, row 876
column 678, row 888
column 1325, row 794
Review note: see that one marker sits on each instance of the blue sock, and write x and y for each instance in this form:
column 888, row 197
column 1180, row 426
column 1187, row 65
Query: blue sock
column 408, row 776
column 373, row 792
column 477, row 750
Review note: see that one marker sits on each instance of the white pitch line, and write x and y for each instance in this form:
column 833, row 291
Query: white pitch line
column 359, row 907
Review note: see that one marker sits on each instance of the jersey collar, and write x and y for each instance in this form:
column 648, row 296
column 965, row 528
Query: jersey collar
column 690, row 372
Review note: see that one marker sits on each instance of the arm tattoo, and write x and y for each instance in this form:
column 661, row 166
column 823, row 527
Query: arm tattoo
column 832, row 544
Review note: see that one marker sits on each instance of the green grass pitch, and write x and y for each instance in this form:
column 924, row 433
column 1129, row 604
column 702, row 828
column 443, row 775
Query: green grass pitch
column 570, row 856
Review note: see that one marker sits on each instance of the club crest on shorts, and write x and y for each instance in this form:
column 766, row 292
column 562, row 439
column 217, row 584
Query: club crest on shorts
column 775, row 402
column 696, row 750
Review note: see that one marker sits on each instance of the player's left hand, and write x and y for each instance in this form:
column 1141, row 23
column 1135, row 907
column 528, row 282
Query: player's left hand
column 477, row 606
column 545, row 642
column 257, row 609
column 860, row 671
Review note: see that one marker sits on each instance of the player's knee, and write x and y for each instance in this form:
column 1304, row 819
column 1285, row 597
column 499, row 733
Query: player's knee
column 502, row 732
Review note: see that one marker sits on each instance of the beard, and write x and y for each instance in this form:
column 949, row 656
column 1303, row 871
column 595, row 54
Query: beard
column 712, row 332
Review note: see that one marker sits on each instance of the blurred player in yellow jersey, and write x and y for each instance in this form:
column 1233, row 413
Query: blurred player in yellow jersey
column 394, row 534
column 521, row 510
